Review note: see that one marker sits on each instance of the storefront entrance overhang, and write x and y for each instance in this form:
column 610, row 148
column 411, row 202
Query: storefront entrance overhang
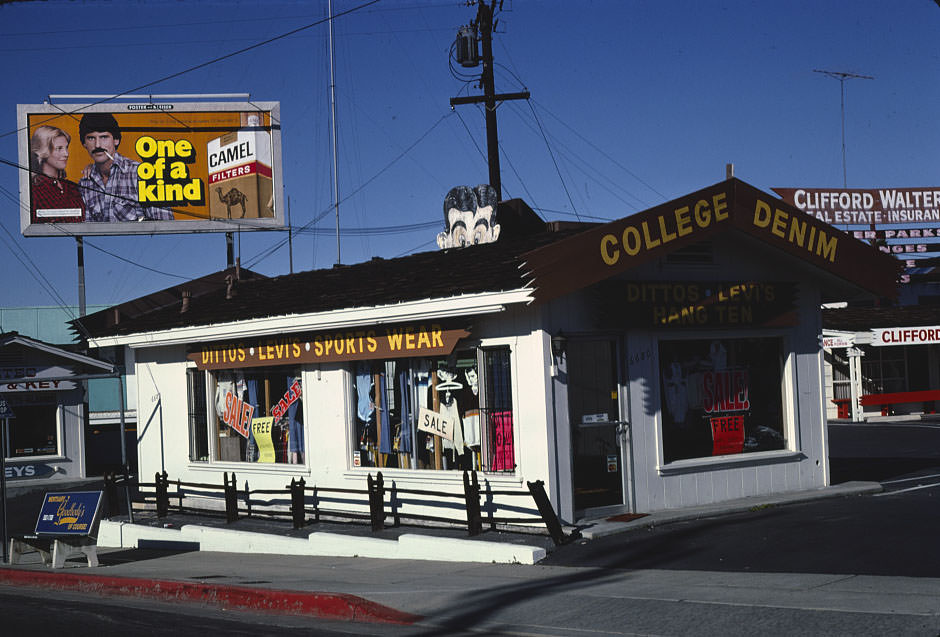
column 415, row 311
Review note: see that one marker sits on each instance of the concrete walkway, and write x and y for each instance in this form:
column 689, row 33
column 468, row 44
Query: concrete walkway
column 446, row 581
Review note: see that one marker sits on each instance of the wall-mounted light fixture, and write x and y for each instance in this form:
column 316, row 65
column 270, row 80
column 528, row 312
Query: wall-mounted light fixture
column 559, row 344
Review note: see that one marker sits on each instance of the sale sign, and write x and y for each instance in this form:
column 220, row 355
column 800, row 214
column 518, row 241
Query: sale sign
column 237, row 413
column 434, row 423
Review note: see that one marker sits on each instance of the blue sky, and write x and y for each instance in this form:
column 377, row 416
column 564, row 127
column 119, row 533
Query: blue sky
column 633, row 103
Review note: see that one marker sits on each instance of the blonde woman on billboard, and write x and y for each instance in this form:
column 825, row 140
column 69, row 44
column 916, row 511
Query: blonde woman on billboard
column 53, row 199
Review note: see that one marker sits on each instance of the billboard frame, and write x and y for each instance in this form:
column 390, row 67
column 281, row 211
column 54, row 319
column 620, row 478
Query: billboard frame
column 175, row 226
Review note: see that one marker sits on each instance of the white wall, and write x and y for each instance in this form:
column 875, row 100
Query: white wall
column 163, row 445
column 658, row 486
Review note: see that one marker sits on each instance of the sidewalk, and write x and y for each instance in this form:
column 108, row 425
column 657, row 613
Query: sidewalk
column 440, row 585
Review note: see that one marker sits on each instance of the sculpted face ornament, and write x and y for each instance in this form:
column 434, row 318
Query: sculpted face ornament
column 470, row 216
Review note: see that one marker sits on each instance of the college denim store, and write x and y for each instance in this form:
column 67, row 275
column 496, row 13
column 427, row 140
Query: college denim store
column 667, row 359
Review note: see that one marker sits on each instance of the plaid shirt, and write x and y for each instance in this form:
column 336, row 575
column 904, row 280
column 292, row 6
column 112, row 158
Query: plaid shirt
column 48, row 194
column 117, row 200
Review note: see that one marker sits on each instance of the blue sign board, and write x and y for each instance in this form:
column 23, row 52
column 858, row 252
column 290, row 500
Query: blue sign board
column 27, row 471
column 68, row 513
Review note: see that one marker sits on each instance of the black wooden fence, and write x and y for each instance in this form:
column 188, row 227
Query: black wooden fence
column 304, row 504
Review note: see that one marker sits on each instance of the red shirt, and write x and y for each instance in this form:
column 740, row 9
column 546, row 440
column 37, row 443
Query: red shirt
column 49, row 194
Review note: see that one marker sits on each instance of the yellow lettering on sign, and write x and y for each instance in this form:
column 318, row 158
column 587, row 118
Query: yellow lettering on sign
column 394, row 340
column 651, row 234
column 646, row 237
column 609, row 252
column 631, row 240
column 703, row 214
column 683, row 221
column 792, row 229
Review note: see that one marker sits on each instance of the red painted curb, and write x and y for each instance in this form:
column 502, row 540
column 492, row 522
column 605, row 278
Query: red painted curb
column 324, row 605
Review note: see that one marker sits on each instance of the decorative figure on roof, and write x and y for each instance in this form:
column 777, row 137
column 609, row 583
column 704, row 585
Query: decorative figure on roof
column 470, row 217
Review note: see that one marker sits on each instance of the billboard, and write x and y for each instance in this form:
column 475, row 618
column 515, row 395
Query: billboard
column 145, row 168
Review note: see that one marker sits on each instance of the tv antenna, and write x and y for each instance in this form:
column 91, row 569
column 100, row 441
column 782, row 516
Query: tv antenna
column 842, row 76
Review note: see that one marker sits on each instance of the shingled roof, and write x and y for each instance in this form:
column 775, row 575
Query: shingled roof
column 861, row 319
column 428, row 275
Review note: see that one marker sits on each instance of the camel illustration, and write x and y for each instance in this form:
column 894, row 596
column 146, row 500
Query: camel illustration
column 231, row 198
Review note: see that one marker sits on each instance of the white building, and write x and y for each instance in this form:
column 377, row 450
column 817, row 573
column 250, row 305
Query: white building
column 664, row 360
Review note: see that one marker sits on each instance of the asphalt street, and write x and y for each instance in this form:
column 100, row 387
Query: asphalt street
column 857, row 564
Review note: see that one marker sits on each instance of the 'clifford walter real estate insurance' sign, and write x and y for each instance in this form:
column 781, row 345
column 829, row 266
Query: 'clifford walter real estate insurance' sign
column 866, row 206
column 144, row 168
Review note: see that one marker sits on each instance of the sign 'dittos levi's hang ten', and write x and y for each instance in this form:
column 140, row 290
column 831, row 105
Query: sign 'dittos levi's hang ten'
column 360, row 343
column 610, row 249
column 695, row 303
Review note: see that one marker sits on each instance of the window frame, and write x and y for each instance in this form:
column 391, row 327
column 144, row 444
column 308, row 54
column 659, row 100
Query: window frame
column 792, row 442
column 479, row 348
column 208, row 387
column 59, row 409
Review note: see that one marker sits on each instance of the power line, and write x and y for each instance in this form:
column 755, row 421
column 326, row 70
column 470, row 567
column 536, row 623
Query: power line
column 598, row 149
column 220, row 58
column 552, row 155
column 268, row 252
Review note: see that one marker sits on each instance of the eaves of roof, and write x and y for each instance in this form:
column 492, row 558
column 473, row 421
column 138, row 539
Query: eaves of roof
column 473, row 270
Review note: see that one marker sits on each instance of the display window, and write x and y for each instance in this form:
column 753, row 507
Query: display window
column 35, row 430
column 247, row 415
column 448, row 413
column 721, row 396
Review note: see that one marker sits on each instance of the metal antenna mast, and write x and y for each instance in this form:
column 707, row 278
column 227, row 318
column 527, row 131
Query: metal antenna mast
column 333, row 128
column 842, row 77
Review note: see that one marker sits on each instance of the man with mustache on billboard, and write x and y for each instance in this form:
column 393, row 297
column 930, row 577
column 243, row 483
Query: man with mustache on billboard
column 109, row 184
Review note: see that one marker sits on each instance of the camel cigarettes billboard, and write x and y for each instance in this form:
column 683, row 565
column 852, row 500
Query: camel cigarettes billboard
column 144, row 168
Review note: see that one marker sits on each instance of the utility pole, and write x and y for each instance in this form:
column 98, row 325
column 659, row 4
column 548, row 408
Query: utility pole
column 483, row 26
column 842, row 77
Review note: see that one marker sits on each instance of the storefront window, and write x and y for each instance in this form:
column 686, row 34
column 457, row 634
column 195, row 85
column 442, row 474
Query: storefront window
column 441, row 413
column 35, row 430
column 255, row 415
column 198, row 416
column 721, row 396
column 884, row 370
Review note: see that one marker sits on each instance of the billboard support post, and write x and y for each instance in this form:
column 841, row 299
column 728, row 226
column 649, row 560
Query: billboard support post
column 229, row 251
column 80, row 250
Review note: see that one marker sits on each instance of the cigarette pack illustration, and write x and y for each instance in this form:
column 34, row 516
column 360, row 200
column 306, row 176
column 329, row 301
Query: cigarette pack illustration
column 240, row 184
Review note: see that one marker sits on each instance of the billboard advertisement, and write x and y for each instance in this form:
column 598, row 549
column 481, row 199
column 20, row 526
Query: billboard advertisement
column 145, row 168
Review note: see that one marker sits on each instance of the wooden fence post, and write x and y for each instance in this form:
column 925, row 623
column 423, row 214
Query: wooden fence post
column 163, row 500
column 471, row 494
column 376, row 502
column 537, row 489
column 231, row 498
column 297, row 502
